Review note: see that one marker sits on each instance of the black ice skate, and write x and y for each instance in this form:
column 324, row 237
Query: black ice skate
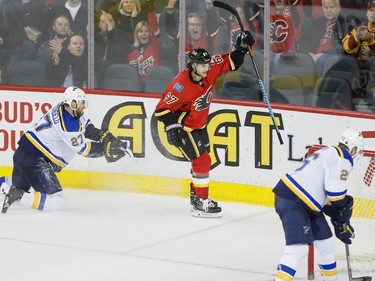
column 193, row 197
column 12, row 196
column 206, row 208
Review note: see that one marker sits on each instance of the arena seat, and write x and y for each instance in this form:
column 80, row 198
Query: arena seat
column 121, row 76
column 30, row 73
column 158, row 78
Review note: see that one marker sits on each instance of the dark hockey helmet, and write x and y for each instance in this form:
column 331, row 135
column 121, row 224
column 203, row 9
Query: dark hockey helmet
column 199, row 55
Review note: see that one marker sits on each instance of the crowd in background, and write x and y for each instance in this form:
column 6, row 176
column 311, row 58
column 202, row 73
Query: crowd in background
column 145, row 35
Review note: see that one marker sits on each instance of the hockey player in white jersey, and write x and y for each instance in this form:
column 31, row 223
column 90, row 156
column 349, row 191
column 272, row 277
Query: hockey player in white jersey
column 49, row 145
column 318, row 186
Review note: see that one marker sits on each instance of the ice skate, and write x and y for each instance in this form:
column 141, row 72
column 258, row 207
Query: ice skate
column 193, row 197
column 12, row 196
column 206, row 208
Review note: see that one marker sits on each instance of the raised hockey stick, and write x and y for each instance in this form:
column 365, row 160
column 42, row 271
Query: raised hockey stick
column 232, row 10
column 349, row 266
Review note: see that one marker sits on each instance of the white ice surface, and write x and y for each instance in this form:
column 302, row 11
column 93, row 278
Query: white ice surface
column 114, row 236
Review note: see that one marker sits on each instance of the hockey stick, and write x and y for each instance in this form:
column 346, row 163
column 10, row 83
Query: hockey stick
column 350, row 273
column 129, row 153
column 232, row 10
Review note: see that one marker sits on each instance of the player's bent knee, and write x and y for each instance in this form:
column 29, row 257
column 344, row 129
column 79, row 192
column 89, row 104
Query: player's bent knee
column 299, row 251
column 325, row 247
column 201, row 164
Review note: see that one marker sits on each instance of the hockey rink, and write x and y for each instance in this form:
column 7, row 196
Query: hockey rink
column 113, row 236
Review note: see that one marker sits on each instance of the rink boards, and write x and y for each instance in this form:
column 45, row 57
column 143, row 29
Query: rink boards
column 247, row 158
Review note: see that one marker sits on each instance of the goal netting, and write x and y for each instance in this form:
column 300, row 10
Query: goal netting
column 362, row 188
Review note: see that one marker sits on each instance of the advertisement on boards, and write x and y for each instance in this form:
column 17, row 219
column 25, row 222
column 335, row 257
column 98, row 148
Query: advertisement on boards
column 244, row 148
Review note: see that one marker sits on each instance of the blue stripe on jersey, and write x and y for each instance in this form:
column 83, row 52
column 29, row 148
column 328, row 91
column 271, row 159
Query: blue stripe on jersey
column 43, row 198
column 344, row 154
column 335, row 196
column 301, row 193
column 45, row 150
column 68, row 122
column 85, row 149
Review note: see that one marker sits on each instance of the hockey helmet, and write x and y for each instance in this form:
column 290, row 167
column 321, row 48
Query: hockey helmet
column 351, row 138
column 200, row 56
column 76, row 94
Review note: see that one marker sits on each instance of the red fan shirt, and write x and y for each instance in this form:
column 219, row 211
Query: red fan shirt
column 284, row 35
column 146, row 57
column 326, row 41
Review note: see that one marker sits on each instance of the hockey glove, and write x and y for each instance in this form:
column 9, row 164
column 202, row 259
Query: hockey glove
column 343, row 231
column 244, row 40
column 340, row 214
column 114, row 149
column 174, row 134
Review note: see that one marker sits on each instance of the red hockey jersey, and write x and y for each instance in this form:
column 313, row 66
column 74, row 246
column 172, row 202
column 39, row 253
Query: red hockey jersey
column 193, row 97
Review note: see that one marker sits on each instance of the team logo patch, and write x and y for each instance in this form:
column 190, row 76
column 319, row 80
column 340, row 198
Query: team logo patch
column 178, row 87
column 306, row 229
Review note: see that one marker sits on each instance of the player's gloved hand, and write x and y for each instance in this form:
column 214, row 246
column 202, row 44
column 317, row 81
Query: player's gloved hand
column 174, row 134
column 106, row 136
column 343, row 231
column 244, row 40
column 114, row 149
column 343, row 214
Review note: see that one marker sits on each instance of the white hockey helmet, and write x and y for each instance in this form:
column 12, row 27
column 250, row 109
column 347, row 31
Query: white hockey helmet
column 76, row 94
column 351, row 139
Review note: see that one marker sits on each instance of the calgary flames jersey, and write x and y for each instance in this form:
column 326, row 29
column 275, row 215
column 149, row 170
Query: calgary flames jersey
column 192, row 97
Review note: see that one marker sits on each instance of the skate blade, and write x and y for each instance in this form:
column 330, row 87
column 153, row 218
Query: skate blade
column 202, row 214
column 5, row 208
column 364, row 278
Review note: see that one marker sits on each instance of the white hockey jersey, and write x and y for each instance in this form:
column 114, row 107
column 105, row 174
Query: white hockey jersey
column 59, row 136
column 321, row 177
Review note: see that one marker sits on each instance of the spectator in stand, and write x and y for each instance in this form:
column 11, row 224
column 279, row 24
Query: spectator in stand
column 107, row 46
column 75, row 10
column 70, row 66
column 14, row 44
column 53, row 47
column 34, row 23
column 250, row 15
column 105, row 5
column 360, row 41
column 198, row 33
column 285, row 25
column 324, row 36
column 128, row 13
column 147, row 50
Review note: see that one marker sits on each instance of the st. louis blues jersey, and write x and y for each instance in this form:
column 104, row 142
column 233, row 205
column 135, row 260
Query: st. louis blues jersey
column 58, row 136
column 321, row 177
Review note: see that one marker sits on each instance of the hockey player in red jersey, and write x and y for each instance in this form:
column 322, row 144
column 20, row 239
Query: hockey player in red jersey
column 184, row 109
